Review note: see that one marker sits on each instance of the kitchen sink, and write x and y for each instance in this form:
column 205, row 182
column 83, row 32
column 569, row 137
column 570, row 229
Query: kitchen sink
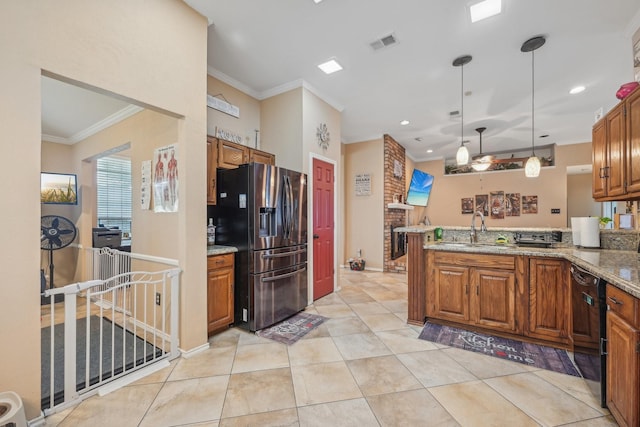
column 478, row 245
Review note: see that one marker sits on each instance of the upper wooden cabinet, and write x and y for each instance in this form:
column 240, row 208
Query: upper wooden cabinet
column 229, row 155
column 616, row 152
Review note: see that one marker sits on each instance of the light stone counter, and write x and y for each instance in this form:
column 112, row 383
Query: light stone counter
column 220, row 250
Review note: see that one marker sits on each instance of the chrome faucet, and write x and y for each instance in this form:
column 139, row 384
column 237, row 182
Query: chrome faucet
column 483, row 228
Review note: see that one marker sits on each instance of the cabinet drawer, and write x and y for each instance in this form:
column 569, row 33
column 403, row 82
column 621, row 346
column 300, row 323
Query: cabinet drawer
column 219, row 261
column 506, row 262
column 623, row 304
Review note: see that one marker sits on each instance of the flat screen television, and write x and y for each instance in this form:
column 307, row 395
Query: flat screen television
column 419, row 188
column 58, row 188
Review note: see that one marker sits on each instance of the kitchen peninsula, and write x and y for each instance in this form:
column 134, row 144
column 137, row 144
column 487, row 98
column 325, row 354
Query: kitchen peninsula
column 526, row 293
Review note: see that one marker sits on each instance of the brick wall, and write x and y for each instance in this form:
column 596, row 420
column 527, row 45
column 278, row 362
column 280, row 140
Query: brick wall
column 393, row 185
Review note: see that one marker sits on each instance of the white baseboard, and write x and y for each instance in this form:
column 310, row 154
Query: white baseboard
column 190, row 353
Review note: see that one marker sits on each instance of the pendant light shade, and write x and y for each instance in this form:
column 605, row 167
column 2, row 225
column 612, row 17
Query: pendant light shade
column 481, row 163
column 532, row 167
column 462, row 156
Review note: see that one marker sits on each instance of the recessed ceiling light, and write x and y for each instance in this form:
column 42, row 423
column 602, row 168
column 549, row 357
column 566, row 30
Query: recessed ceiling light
column 317, row 1
column 429, row 150
column 331, row 66
column 404, row 122
column 485, row 9
column 577, row 89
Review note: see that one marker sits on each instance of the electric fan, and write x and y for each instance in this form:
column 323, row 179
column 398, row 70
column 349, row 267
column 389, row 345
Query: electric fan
column 57, row 232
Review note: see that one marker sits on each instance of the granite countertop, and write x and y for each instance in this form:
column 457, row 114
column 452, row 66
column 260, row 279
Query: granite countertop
column 220, row 250
column 619, row 268
column 425, row 228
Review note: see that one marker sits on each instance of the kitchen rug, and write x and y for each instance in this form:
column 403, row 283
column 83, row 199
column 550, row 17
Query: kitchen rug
column 530, row 354
column 292, row 329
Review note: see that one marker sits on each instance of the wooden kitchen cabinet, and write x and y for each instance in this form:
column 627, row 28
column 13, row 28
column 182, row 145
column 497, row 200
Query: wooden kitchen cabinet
column 257, row 156
column 549, row 301
column 473, row 289
column 623, row 358
column 212, row 165
column 231, row 155
column 616, row 151
column 220, row 288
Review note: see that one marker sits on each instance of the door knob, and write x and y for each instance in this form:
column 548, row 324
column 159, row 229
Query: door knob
column 315, row 236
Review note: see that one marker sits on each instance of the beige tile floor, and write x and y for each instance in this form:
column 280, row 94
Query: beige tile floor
column 363, row 367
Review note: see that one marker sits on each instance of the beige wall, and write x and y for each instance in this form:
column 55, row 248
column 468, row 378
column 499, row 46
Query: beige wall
column 579, row 199
column 550, row 187
column 153, row 54
column 364, row 215
column 281, row 128
column 246, row 124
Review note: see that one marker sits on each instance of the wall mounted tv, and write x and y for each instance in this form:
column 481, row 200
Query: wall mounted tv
column 58, row 188
column 419, row 188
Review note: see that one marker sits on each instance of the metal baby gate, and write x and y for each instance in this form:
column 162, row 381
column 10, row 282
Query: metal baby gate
column 116, row 326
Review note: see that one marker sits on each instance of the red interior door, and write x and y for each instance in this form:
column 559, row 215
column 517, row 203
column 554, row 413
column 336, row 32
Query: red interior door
column 322, row 228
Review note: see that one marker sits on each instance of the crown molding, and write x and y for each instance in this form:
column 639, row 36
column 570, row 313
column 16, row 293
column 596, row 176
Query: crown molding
column 277, row 90
column 233, row 82
column 119, row 116
column 55, row 139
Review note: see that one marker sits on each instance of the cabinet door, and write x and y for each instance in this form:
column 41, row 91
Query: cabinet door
column 212, row 164
column 258, row 156
column 549, row 308
column 493, row 299
column 219, row 292
column 599, row 152
column 451, row 293
column 616, row 157
column 231, row 155
column 623, row 365
column 632, row 104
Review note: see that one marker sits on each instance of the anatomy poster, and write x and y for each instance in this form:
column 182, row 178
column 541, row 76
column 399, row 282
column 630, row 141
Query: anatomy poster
column 165, row 179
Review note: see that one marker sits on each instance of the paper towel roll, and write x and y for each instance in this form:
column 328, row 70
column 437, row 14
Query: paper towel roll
column 575, row 230
column 590, row 232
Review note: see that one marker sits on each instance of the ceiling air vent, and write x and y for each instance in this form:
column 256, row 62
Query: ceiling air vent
column 453, row 114
column 383, row 42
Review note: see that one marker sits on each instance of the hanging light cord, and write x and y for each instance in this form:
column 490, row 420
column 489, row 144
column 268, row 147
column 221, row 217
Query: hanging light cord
column 533, row 150
column 462, row 105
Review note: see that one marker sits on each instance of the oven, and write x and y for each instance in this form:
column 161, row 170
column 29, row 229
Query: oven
column 589, row 329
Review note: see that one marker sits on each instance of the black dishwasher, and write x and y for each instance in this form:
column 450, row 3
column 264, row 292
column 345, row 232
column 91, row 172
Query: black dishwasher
column 589, row 329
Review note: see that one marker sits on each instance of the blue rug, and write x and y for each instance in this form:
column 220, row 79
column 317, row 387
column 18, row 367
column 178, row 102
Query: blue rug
column 290, row 330
column 530, row 354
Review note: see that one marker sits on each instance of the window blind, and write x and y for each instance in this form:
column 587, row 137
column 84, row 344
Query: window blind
column 114, row 192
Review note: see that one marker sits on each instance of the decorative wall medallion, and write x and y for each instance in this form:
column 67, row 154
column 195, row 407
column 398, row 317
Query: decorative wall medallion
column 323, row 136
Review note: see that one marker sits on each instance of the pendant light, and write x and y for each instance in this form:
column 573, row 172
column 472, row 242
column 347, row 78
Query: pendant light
column 532, row 167
column 462, row 156
column 481, row 163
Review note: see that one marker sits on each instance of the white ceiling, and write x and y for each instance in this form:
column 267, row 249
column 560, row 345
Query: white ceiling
column 266, row 47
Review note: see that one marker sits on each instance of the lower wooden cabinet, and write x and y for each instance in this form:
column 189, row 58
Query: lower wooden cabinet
column 478, row 290
column 220, row 287
column 623, row 357
column 549, row 299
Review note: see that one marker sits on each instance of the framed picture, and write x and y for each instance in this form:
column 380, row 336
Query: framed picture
column 58, row 188
column 636, row 55
column 482, row 204
column 497, row 204
column 467, row 205
column 529, row 204
column 512, row 204
column 397, row 169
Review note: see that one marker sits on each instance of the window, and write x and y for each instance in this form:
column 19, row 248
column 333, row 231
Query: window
column 114, row 193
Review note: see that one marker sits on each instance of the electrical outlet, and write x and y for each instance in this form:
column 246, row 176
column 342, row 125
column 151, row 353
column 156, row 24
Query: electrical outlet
column 157, row 298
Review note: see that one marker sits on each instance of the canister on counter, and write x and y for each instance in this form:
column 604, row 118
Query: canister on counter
column 437, row 234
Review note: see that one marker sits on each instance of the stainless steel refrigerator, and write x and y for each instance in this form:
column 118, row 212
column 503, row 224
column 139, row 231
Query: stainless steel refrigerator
column 262, row 210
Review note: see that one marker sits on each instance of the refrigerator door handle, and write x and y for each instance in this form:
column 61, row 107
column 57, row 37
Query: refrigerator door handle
column 284, row 254
column 282, row 276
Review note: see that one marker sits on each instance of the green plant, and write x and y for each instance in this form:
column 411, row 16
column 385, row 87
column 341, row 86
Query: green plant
column 604, row 220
